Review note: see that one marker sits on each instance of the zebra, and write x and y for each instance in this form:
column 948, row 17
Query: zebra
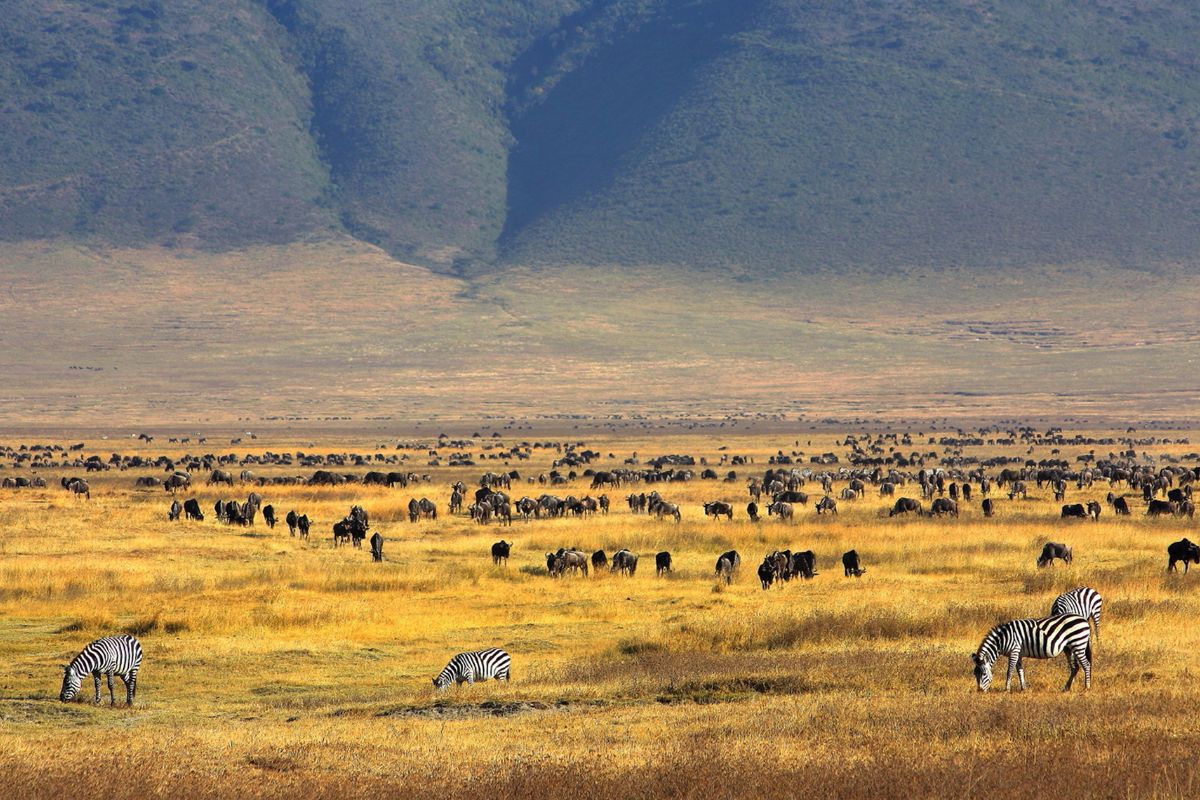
column 112, row 655
column 1084, row 602
column 477, row 665
column 1036, row 638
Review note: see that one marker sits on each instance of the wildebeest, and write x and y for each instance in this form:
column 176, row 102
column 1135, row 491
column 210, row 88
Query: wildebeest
column 1186, row 551
column 804, row 564
column 662, row 563
column 1157, row 508
column 726, row 564
column 851, row 564
column 302, row 524
column 79, row 487
column 220, row 476
column 665, row 509
column 989, row 508
column 943, row 505
column 376, row 546
column 624, row 562
column 1120, row 506
column 456, row 502
column 1053, row 550
column 766, row 574
column 341, row 532
column 175, row 511
column 268, row 513
column 559, row 562
column 291, row 520
column 718, row 509
column 191, row 510
column 599, row 560
column 752, row 511
column 799, row 498
column 500, row 551
column 827, row 504
column 1185, row 508
column 177, row 481
column 147, row 482
column 1074, row 510
column 1018, row 488
column 781, row 510
column 1093, row 510
column 905, row 505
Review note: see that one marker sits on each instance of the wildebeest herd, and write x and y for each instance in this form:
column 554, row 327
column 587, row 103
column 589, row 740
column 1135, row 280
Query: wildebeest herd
column 914, row 485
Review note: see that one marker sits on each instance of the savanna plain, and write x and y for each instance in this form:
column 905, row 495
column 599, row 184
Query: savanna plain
column 275, row 666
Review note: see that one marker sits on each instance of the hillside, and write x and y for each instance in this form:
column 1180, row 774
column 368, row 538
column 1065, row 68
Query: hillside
column 764, row 136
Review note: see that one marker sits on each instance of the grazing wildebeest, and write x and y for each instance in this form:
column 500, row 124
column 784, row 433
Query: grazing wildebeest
column 269, row 515
column 291, row 520
column 887, row 489
column 147, row 482
column 1054, row 550
column 1121, row 507
column 175, row 511
column 599, row 560
column 1074, row 510
column 302, row 524
column 752, row 511
column 989, row 508
column 1186, row 508
column 1018, row 488
column 500, row 551
column 827, row 504
column 1158, row 508
column 179, row 480
column 781, row 510
column 624, row 562
column 220, row 476
column 804, row 564
column 799, row 498
column 766, row 573
column 1186, row 551
column 191, row 510
column 905, row 505
column 718, row 509
column 559, row 562
column 78, row 486
column 665, row 509
column 1093, row 510
column 943, row 505
column 341, row 532
column 662, row 562
column 727, row 563
column 376, row 546
column 966, row 491
column 851, row 564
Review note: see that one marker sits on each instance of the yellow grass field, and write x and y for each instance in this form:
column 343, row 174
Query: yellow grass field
column 274, row 667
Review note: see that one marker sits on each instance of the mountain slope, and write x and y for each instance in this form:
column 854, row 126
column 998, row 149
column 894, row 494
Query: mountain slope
column 761, row 136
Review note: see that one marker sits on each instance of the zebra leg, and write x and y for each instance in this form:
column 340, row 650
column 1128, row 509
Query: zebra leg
column 1021, row 673
column 96, row 677
column 1013, row 658
column 112, row 697
column 1073, row 663
column 128, row 679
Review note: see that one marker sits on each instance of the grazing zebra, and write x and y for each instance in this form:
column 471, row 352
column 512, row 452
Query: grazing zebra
column 1083, row 602
column 479, row 665
column 1035, row 638
column 112, row 655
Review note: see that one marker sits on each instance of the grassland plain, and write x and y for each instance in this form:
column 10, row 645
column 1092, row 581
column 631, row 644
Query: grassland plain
column 275, row 667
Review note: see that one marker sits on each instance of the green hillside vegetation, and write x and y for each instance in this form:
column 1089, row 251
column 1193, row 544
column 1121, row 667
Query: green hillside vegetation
column 761, row 136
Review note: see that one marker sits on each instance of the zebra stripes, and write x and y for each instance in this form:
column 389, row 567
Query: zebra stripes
column 1035, row 638
column 112, row 655
column 479, row 665
column 1083, row 602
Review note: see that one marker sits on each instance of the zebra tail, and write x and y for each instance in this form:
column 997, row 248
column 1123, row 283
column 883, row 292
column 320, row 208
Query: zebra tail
column 1088, row 652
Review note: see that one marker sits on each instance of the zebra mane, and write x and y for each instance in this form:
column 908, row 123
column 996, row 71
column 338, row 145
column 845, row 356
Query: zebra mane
column 989, row 650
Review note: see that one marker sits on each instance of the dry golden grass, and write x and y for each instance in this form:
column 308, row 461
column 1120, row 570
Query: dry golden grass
column 278, row 668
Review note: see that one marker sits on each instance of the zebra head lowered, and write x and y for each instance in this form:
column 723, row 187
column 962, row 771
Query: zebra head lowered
column 70, row 684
